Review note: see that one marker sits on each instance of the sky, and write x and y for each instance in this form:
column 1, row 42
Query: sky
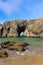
column 20, row 9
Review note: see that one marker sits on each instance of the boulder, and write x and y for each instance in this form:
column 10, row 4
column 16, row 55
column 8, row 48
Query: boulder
column 14, row 46
column 3, row 53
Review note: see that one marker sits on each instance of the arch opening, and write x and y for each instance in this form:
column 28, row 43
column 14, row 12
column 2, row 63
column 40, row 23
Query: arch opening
column 20, row 30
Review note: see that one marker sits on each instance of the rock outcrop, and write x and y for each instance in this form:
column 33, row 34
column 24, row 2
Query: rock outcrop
column 7, row 47
column 14, row 46
column 1, row 30
column 30, row 28
column 3, row 53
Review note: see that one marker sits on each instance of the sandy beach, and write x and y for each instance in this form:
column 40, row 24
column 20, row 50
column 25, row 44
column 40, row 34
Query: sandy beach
column 23, row 60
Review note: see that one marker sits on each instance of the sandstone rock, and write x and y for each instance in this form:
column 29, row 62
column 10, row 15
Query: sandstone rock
column 11, row 45
column 8, row 45
column 6, row 29
column 5, row 44
column 3, row 54
column 13, row 29
column 14, row 46
column 26, row 32
column 30, row 28
column 20, row 46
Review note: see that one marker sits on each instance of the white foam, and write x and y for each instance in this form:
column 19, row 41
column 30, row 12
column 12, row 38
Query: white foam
column 21, row 53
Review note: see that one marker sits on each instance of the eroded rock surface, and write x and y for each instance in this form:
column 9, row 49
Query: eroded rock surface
column 3, row 53
column 14, row 46
column 8, row 49
column 30, row 28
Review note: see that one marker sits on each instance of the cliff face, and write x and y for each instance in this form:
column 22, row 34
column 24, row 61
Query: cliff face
column 1, row 31
column 30, row 28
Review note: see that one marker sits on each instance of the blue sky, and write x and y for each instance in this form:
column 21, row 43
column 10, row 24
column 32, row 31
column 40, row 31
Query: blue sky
column 20, row 9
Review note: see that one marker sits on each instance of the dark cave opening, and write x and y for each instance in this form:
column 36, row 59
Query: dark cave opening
column 20, row 29
column 1, row 31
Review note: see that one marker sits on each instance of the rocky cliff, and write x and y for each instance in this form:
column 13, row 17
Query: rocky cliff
column 30, row 28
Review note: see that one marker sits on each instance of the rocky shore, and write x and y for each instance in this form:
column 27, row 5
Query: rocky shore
column 19, row 48
column 17, row 53
column 30, row 28
column 13, row 46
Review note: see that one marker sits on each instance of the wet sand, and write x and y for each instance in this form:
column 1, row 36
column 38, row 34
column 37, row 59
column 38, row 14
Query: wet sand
column 24, row 60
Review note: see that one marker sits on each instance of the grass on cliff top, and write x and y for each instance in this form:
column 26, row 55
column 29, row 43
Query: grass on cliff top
column 36, row 41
